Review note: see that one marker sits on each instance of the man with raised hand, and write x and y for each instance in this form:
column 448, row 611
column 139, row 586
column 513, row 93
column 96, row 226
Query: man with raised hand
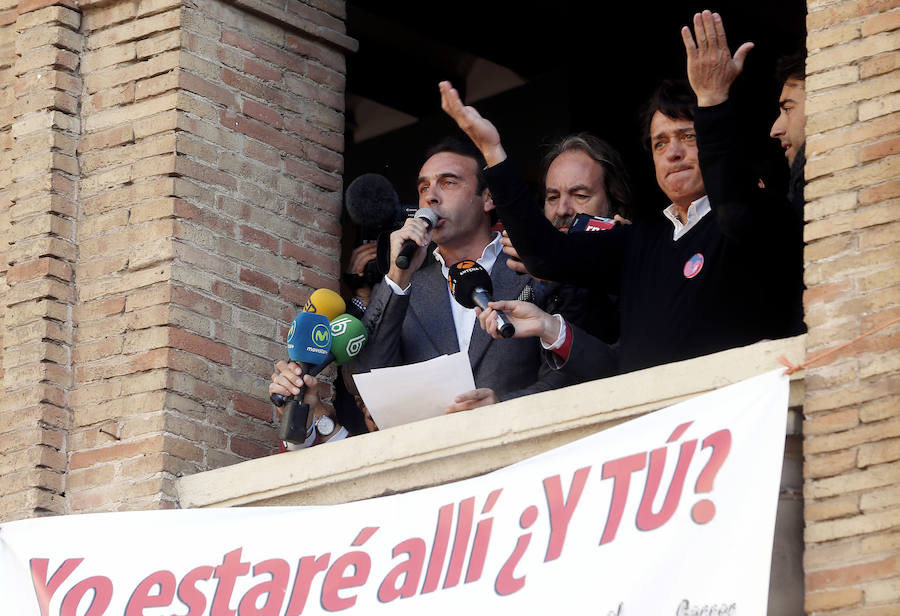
column 695, row 278
column 725, row 159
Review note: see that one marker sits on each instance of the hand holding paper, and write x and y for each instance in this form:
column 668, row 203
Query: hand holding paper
column 403, row 394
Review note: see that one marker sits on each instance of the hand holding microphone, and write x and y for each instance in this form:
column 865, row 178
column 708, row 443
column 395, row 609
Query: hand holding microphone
column 529, row 320
column 410, row 246
column 348, row 337
column 306, row 335
column 471, row 286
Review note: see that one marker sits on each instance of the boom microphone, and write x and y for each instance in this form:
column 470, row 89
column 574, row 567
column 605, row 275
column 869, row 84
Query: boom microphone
column 371, row 201
column 470, row 285
column 409, row 246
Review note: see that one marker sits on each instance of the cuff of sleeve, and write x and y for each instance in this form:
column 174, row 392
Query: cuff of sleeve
column 566, row 347
column 561, row 338
column 396, row 288
column 310, row 440
column 505, row 183
column 360, row 305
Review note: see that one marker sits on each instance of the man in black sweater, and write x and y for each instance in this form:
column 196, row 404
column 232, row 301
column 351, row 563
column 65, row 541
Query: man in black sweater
column 714, row 270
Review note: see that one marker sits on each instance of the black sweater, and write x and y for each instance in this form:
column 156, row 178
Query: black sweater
column 750, row 243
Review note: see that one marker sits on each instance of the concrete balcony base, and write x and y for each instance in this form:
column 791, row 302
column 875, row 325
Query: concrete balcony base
column 454, row 447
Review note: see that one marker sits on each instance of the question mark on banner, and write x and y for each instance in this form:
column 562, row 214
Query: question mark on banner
column 704, row 511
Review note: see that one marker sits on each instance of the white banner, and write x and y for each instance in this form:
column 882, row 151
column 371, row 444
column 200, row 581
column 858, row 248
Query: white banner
column 672, row 513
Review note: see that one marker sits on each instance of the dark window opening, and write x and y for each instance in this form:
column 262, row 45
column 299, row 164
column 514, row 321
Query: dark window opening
column 540, row 71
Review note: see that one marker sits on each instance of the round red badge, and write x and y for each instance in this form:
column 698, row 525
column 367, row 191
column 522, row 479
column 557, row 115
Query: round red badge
column 693, row 266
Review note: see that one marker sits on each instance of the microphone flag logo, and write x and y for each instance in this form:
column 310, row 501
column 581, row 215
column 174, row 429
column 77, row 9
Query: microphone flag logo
column 310, row 306
column 321, row 335
column 339, row 326
column 292, row 330
column 355, row 345
column 464, row 265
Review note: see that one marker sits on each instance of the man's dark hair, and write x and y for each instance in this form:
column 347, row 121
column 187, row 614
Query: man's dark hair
column 615, row 177
column 463, row 148
column 792, row 66
column 673, row 98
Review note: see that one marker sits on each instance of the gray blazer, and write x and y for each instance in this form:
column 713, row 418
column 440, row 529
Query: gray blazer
column 405, row 329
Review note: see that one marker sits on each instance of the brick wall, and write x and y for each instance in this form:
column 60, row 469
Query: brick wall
column 40, row 124
column 170, row 179
column 172, row 194
column 852, row 408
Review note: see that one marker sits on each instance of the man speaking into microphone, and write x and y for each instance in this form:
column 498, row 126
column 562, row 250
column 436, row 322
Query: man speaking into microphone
column 412, row 317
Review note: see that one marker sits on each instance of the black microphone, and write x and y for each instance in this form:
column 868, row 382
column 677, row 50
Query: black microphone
column 409, row 246
column 372, row 201
column 471, row 286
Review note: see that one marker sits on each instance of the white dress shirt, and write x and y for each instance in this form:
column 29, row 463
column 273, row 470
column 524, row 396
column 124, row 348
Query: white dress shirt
column 696, row 211
column 463, row 318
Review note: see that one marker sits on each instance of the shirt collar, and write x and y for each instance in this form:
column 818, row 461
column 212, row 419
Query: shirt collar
column 488, row 255
column 697, row 210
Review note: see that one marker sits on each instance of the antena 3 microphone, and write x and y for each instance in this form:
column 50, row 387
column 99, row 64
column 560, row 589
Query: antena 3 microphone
column 471, row 286
column 409, row 247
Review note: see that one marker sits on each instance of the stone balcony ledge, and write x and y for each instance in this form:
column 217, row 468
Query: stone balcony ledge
column 454, row 447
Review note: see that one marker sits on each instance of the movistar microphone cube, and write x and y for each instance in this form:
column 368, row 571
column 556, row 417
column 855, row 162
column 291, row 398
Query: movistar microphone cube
column 309, row 338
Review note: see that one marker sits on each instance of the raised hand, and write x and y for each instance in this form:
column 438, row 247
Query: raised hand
column 711, row 68
column 482, row 133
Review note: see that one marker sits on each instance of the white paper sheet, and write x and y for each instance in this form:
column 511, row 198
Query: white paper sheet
column 403, row 394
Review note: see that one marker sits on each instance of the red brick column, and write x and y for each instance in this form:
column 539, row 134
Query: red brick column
column 852, row 427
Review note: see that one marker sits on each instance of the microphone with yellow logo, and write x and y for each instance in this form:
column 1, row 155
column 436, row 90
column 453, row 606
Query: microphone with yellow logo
column 326, row 302
column 470, row 285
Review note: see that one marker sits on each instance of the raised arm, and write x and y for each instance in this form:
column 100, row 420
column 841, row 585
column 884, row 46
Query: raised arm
column 481, row 131
column 546, row 252
column 711, row 69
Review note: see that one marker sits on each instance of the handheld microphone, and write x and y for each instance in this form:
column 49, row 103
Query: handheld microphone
column 348, row 337
column 471, row 286
column 325, row 302
column 308, row 344
column 409, row 246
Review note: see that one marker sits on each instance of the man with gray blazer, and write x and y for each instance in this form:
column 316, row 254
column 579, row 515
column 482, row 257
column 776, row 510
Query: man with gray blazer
column 411, row 316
